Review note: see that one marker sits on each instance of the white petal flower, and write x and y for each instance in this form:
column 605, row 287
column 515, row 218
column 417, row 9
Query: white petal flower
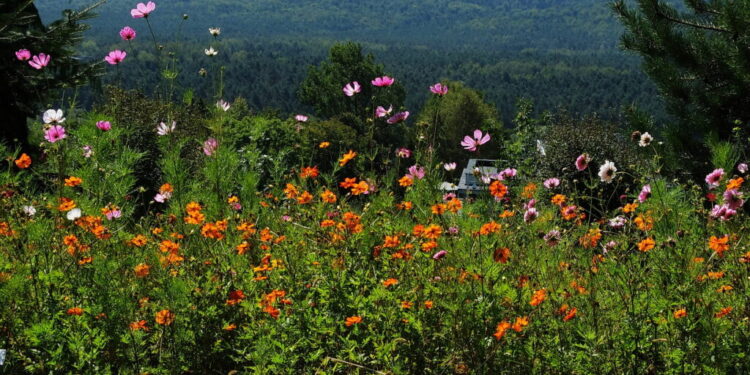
column 53, row 116
column 607, row 171
column 74, row 214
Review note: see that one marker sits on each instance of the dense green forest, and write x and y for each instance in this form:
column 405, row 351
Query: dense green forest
column 560, row 54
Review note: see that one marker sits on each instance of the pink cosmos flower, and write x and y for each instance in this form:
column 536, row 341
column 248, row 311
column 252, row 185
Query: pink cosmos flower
column 453, row 230
column 23, row 55
column 127, row 33
column 438, row 89
column 479, row 139
column 39, row 61
column 143, row 10
column 87, row 151
column 104, row 125
column 55, row 133
column 301, row 118
column 449, row 196
column 530, row 215
column 733, row 199
column 164, row 129
column 352, row 88
column 440, row 254
column 162, row 197
column 398, row 117
column 449, row 166
column 713, row 178
column 552, row 238
column 722, row 212
column 742, row 168
column 403, row 152
column 618, row 222
column 383, row 81
column 115, row 57
column 416, row 172
column 582, row 162
column 645, row 193
column 507, row 173
column 552, row 183
column 210, row 146
column 382, row 112
column 113, row 214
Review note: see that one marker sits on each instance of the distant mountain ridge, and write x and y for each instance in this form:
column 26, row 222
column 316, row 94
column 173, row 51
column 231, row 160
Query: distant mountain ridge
column 491, row 24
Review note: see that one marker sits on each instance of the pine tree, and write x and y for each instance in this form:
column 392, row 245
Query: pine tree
column 699, row 57
column 25, row 91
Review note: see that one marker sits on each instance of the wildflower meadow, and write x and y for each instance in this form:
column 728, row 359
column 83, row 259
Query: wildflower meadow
column 166, row 233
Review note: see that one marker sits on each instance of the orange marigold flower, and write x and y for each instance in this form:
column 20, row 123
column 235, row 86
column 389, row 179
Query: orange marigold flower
column 348, row 182
column 75, row 311
column 66, row 204
column 328, row 196
column 142, row 270
column 501, row 255
column 591, row 239
column 406, row 206
column 679, row 314
column 439, row 209
column 407, row 304
column 497, row 189
column 429, row 246
column 352, row 320
column 235, row 297
column 506, row 214
column 558, row 199
column 291, row 191
column 570, row 314
column 630, row 207
column 723, row 312
column 166, row 188
column 520, row 323
column 168, row 246
column 735, row 183
column 500, row 330
column 390, row 282
column 406, row 181
column 719, row 244
column 324, row 144
column 428, row 304
column 489, row 228
column 391, row 241
column 138, row 325
column 243, row 247
column 360, row 188
column 304, row 198
column 432, row 232
column 646, row 244
column 309, row 172
column 138, row 241
column 644, row 223
column 85, row 260
column 164, row 317
column 454, row 205
column 529, row 191
column 23, row 162
column 230, row 327
column 347, row 158
column 73, row 181
column 538, row 297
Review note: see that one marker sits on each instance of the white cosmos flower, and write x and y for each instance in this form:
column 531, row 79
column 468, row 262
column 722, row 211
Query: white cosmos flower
column 74, row 214
column 29, row 210
column 221, row 104
column 645, row 139
column 215, row 31
column 607, row 171
column 53, row 116
column 211, row 52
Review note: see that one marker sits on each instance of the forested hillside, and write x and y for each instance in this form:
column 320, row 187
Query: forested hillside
column 558, row 53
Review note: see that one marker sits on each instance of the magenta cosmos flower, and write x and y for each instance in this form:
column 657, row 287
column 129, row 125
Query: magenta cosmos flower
column 127, row 33
column 416, row 172
column 104, row 125
column 645, row 193
column 398, row 117
column 382, row 112
column 143, row 10
column 39, row 61
column 440, row 254
column 383, row 81
column 713, row 178
column 403, row 152
column 210, row 146
column 479, row 139
column 352, row 88
column 439, row 89
column 54, row 133
column 582, row 162
column 552, row 183
column 115, row 57
column 23, row 54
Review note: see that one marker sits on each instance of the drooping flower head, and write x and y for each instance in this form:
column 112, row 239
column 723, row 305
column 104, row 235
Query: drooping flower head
column 381, row 112
column 127, row 33
column 210, row 146
column 713, row 178
column 607, row 171
column 398, row 117
column 582, row 162
column 439, row 89
column 55, row 133
column 104, row 125
column 53, row 116
column 164, row 129
column 115, row 57
column 645, row 193
column 23, row 55
column 352, row 88
column 383, row 81
column 471, row 143
column 143, row 10
column 39, row 61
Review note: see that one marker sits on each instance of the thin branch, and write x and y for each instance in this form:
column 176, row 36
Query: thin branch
column 355, row 365
column 659, row 12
